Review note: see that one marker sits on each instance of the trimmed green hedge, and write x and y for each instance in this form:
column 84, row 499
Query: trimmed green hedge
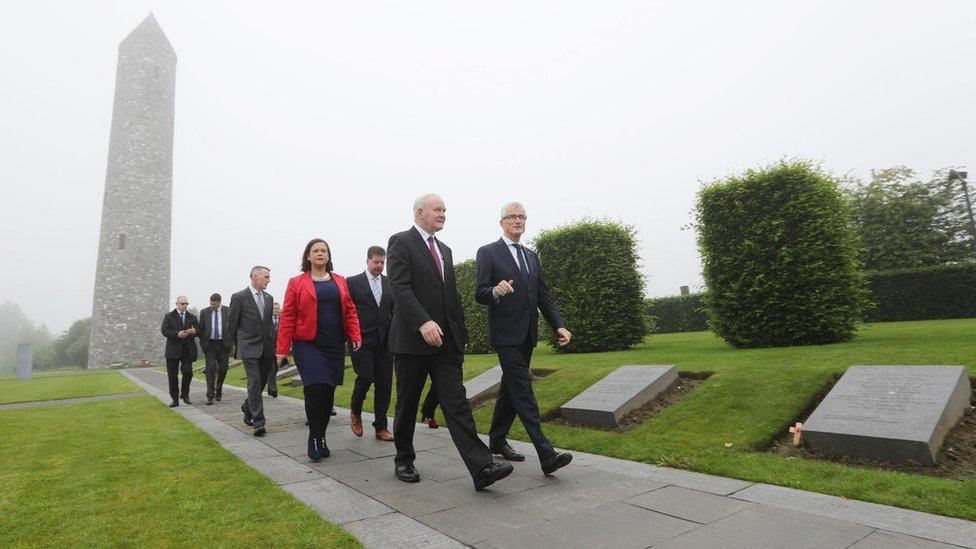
column 591, row 268
column 927, row 293
column 475, row 314
column 780, row 258
column 678, row 313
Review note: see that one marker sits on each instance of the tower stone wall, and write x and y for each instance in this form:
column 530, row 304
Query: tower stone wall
column 132, row 277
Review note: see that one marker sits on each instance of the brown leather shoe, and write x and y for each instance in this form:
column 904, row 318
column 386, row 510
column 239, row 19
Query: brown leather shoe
column 431, row 422
column 383, row 434
column 357, row 424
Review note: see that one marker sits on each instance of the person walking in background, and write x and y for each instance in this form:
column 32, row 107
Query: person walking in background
column 249, row 326
column 317, row 318
column 216, row 347
column 427, row 337
column 273, row 378
column 180, row 328
column 370, row 291
column 512, row 286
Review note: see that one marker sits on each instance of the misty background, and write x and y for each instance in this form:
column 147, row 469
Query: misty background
column 327, row 119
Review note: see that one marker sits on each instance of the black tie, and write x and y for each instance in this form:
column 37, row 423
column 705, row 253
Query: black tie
column 521, row 262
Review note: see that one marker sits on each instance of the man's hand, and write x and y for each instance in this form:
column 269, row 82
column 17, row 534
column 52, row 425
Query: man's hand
column 280, row 360
column 432, row 333
column 356, row 345
column 564, row 336
column 181, row 334
column 503, row 288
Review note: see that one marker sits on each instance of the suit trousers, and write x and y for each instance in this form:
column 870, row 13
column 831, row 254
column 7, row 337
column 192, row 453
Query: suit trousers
column 273, row 380
column 515, row 397
column 257, row 371
column 216, row 370
column 429, row 406
column 179, row 365
column 444, row 368
column 373, row 366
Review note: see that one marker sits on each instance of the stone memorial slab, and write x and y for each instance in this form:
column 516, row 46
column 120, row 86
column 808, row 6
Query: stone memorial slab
column 484, row 385
column 627, row 388
column 286, row 372
column 891, row 413
column 296, row 381
column 25, row 361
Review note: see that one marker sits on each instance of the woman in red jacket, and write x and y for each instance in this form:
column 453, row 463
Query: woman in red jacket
column 317, row 318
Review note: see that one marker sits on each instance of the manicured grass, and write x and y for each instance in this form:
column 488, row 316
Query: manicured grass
column 131, row 473
column 752, row 399
column 68, row 384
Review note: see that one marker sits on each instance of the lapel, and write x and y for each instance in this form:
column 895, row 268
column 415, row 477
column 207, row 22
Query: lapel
column 366, row 286
column 387, row 296
column 425, row 250
column 308, row 285
column 506, row 254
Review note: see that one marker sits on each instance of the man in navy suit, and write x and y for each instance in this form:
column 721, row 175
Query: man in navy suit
column 511, row 284
column 370, row 291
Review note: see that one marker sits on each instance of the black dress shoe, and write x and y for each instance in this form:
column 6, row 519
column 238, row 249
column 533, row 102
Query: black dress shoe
column 490, row 473
column 407, row 473
column 314, row 452
column 248, row 421
column 557, row 461
column 273, row 394
column 209, row 402
column 508, row 453
column 186, row 399
column 334, row 413
column 174, row 404
column 218, row 397
column 259, row 432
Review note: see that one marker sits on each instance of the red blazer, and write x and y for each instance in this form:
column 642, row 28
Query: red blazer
column 299, row 312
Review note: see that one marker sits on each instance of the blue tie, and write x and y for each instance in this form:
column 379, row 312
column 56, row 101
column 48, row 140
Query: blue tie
column 216, row 323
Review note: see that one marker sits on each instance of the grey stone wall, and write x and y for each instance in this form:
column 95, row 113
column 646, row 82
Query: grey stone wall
column 132, row 276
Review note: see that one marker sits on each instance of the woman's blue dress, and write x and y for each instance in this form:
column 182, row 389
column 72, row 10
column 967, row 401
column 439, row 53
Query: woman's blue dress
column 323, row 360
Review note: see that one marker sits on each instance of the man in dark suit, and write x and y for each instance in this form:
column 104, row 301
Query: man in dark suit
column 511, row 284
column 370, row 291
column 249, row 326
column 273, row 378
column 216, row 346
column 180, row 328
column 427, row 337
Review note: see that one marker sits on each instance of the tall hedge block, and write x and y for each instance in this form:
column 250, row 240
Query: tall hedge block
column 591, row 268
column 928, row 293
column 475, row 314
column 678, row 313
column 780, row 258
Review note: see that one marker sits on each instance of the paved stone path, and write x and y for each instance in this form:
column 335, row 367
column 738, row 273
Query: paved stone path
column 594, row 502
column 64, row 401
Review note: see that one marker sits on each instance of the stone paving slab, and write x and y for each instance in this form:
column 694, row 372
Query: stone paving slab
column 597, row 501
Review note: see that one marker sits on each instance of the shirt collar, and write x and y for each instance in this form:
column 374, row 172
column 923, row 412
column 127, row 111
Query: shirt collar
column 508, row 241
column 254, row 291
column 423, row 234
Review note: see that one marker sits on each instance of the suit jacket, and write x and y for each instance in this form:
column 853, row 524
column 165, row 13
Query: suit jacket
column 374, row 320
column 245, row 327
column 206, row 328
column 177, row 347
column 421, row 295
column 514, row 317
column 299, row 312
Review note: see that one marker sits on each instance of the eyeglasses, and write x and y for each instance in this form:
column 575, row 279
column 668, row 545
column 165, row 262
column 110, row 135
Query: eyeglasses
column 511, row 217
column 183, row 303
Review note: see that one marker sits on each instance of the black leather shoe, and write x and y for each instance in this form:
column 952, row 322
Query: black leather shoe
column 209, row 402
column 259, row 432
column 248, row 421
column 218, row 397
column 407, row 473
column 314, row 453
column 490, row 473
column 508, row 453
column 186, row 399
column 273, row 394
column 557, row 461
column 334, row 413
column 324, row 449
column 174, row 404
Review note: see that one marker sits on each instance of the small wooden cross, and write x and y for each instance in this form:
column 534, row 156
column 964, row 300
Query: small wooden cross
column 797, row 431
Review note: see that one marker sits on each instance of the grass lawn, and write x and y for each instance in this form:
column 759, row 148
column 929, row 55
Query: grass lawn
column 752, row 399
column 131, row 473
column 66, row 384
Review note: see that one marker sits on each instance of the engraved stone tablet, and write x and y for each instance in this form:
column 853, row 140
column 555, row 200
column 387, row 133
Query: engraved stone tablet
column 891, row 413
column 25, row 360
column 484, row 385
column 286, row 372
column 625, row 389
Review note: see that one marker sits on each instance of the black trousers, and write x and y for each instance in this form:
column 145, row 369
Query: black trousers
column 216, row 371
column 515, row 398
column 430, row 403
column 444, row 368
column 373, row 366
column 179, row 365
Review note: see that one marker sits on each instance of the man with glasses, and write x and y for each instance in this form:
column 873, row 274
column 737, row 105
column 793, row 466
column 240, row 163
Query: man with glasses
column 180, row 328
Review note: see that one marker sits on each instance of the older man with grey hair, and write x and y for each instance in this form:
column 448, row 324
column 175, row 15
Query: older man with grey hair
column 427, row 338
column 249, row 325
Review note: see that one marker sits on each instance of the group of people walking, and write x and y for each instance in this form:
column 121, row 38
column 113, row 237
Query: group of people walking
column 410, row 321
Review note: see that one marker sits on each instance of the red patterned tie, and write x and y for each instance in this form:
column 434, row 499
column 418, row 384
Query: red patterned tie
column 437, row 260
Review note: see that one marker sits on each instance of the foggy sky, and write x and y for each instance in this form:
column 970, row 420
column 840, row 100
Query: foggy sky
column 331, row 117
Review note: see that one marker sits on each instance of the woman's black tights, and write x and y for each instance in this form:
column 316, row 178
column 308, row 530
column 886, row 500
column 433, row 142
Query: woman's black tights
column 318, row 407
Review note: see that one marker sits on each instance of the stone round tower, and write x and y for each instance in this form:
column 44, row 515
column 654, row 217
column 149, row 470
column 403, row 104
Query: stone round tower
column 132, row 276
